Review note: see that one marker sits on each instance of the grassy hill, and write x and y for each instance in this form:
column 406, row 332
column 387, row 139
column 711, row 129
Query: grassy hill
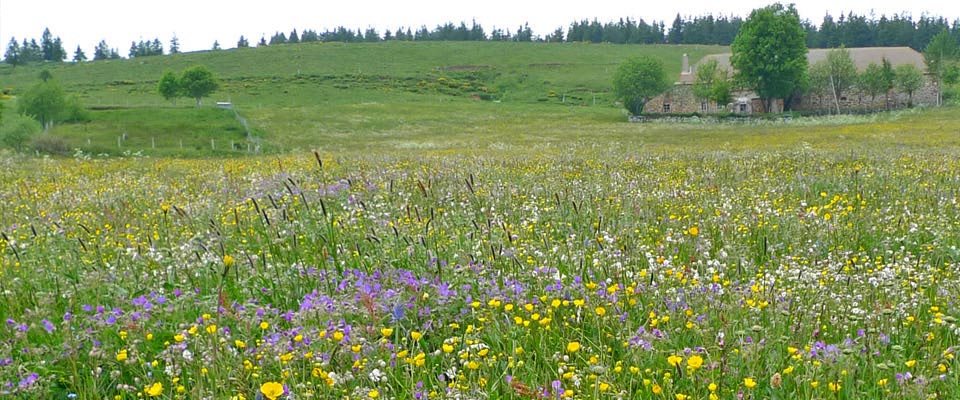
column 328, row 95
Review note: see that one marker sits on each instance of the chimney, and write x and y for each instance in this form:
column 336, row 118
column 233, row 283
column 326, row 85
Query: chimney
column 686, row 64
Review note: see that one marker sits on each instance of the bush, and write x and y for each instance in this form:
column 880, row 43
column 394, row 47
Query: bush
column 50, row 144
column 75, row 112
column 17, row 130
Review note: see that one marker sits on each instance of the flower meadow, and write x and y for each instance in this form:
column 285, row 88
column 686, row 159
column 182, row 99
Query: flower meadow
column 801, row 274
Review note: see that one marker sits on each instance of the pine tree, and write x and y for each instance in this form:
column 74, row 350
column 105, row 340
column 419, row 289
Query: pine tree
column 216, row 45
column 78, row 55
column 263, row 42
column 278, row 38
column 294, row 38
column 675, row 36
column 174, row 45
column 13, row 55
column 102, row 51
column 242, row 43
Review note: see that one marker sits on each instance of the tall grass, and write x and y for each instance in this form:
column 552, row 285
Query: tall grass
column 574, row 272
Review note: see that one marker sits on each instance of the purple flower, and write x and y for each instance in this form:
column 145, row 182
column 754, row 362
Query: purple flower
column 48, row 326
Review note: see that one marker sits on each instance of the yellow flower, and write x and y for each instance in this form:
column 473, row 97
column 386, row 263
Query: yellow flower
column 228, row 260
column 882, row 382
column 600, row 311
column 712, row 387
column 416, row 335
column 694, row 231
column 573, row 347
column 373, row 393
column 604, row 386
column 674, row 360
column 834, row 386
column 271, row 390
column 447, row 348
column 211, row 329
column 681, row 396
column 154, row 390
column 122, row 355
column 656, row 389
column 239, row 343
column 264, row 325
column 814, row 384
column 473, row 365
column 386, row 332
column 178, row 338
column 788, row 370
column 749, row 383
column 338, row 336
column 694, row 362
column 911, row 363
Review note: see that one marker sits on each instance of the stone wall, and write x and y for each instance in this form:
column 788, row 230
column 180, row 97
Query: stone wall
column 855, row 100
column 679, row 99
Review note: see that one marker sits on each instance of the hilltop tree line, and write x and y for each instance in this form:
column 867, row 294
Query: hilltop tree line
column 850, row 30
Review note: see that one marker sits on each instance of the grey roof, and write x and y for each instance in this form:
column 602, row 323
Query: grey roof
column 862, row 57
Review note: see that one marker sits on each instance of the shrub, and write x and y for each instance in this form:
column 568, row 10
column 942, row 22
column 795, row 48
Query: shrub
column 17, row 130
column 50, row 144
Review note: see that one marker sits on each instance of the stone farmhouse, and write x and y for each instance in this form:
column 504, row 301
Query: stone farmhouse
column 680, row 99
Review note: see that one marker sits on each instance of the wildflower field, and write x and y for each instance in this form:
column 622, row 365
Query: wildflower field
column 578, row 273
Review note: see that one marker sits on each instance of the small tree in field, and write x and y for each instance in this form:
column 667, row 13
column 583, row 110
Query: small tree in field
column 909, row 79
column 198, row 82
column 169, row 87
column 873, row 81
column 712, row 83
column 637, row 80
column 44, row 101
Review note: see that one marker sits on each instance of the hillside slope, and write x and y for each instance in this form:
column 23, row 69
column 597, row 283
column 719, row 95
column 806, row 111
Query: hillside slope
column 336, row 94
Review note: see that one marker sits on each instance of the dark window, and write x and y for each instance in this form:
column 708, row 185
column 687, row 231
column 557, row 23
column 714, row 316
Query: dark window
column 703, row 106
column 743, row 108
column 666, row 108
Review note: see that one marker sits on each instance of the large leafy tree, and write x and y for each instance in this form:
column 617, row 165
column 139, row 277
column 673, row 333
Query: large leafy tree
column 940, row 52
column 198, row 82
column 639, row 79
column 770, row 53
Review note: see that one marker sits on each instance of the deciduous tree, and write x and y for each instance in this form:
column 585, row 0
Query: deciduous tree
column 873, row 81
column 637, row 80
column 770, row 53
column 712, row 83
column 841, row 72
column 938, row 55
column 198, row 82
column 169, row 86
column 44, row 101
column 909, row 79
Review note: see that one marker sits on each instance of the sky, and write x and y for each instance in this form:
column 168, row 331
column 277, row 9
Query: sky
column 198, row 23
